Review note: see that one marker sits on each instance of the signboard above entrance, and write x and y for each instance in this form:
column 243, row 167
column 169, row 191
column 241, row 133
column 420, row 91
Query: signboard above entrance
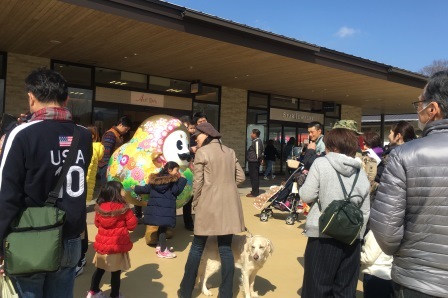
column 295, row 116
column 147, row 99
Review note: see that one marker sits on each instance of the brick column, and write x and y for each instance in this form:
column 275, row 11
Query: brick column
column 233, row 120
column 17, row 69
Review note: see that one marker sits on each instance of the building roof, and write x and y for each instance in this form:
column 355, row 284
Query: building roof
column 160, row 38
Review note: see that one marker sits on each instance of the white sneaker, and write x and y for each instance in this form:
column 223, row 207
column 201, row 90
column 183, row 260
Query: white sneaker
column 100, row 294
column 83, row 261
column 273, row 176
column 79, row 271
column 266, row 178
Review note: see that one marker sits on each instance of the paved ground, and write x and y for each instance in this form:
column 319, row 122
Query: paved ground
column 159, row 278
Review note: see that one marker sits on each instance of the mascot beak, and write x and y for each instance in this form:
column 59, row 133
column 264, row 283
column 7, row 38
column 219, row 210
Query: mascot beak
column 185, row 156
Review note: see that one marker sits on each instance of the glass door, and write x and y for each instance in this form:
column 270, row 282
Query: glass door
column 275, row 134
column 280, row 133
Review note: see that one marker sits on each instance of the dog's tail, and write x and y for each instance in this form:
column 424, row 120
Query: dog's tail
column 250, row 235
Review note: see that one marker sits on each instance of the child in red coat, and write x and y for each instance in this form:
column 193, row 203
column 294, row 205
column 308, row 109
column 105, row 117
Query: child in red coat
column 113, row 219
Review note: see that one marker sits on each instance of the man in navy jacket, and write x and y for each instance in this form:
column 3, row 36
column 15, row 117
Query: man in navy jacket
column 31, row 162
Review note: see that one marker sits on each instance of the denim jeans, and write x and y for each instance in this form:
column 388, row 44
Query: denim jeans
column 52, row 285
column 192, row 266
column 268, row 168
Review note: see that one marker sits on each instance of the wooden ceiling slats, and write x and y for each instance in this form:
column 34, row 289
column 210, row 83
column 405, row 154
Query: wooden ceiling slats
column 93, row 37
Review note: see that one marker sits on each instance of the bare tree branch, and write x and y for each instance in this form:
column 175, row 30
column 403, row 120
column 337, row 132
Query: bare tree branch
column 435, row 66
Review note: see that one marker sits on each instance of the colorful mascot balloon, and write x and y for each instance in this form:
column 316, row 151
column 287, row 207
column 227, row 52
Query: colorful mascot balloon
column 158, row 139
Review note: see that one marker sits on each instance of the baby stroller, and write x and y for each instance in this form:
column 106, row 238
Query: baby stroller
column 286, row 198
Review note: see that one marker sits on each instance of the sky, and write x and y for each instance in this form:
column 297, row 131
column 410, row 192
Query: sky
column 408, row 34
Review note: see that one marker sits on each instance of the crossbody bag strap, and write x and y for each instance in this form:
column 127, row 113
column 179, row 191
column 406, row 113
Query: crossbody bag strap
column 69, row 161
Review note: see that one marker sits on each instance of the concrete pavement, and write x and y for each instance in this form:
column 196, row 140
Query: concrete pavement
column 153, row 277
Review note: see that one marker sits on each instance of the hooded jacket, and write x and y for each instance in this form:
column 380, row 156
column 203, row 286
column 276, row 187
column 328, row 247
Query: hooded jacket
column 322, row 183
column 97, row 154
column 410, row 213
column 161, row 207
column 113, row 221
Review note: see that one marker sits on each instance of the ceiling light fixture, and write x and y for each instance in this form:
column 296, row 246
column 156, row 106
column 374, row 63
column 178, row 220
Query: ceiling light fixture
column 174, row 90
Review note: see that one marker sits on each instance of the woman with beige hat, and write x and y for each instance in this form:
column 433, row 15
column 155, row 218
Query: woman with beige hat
column 217, row 205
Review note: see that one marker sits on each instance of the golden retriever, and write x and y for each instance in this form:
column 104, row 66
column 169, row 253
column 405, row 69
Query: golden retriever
column 250, row 254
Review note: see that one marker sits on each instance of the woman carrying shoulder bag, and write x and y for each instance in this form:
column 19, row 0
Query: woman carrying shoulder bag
column 331, row 266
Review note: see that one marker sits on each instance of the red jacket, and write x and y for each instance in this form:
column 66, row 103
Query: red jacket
column 113, row 221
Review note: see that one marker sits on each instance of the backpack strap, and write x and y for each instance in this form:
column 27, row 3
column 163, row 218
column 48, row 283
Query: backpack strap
column 346, row 196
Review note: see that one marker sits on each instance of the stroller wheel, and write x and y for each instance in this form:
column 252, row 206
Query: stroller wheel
column 270, row 213
column 264, row 216
column 290, row 219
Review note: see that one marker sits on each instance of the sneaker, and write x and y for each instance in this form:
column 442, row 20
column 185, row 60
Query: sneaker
column 83, row 262
column 166, row 254
column 79, row 271
column 273, row 176
column 266, row 178
column 157, row 249
column 92, row 294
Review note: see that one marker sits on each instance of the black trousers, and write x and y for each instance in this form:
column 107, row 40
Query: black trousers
column 114, row 282
column 331, row 268
column 254, row 178
column 403, row 292
column 375, row 287
column 186, row 212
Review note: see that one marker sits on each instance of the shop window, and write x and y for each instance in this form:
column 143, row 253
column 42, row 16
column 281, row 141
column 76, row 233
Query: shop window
column 311, row 105
column 2, row 81
column 335, row 112
column 2, row 65
column 316, row 106
column 257, row 116
column 104, row 118
column 329, row 122
column 169, row 85
column 80, row 105
column 286, row 102
column 2, row 95
column 74, row 74
column 211, row 110
column 305, row 105
column 208, row 93
column 258, row 100
column 117, row 78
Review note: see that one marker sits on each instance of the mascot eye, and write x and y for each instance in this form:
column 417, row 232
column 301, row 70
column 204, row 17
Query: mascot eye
column 179, row 145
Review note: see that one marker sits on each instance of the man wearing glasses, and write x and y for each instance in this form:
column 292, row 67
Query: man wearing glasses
column 409, row 217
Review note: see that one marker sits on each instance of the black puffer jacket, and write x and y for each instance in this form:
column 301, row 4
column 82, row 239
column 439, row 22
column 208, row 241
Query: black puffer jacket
column 409, row 217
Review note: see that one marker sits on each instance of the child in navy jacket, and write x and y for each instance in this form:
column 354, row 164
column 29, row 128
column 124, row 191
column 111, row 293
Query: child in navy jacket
column 163, row 188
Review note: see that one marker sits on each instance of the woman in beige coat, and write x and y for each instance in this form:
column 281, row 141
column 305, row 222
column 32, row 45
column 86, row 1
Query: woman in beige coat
column 217, row 205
